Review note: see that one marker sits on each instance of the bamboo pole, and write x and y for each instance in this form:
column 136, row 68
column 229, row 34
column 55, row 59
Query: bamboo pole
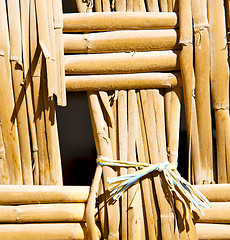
column 81, row 6
column 19, row 91
column 163, row 5
column 122, row 81
column 112, row 63
column 121, row 41
column 94, row 22
column 220, row 87
column 15, row 195
column 152, row 5
column 25, row 12
column 202, row 89
column 58, row 231
column 7, row 104
column 42, row 213
column 213, row 231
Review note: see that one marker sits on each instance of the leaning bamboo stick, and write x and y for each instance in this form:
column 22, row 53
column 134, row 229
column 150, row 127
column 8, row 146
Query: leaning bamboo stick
column 15, row 195
column 94, row 22
column 19, row 91
column 42, row 213
column 7, row 104
column 58, row 231
column 112, row 63
column 202, row 89
column 122, row 81
column 121, row 41
column 220, row 87
column 81, row 6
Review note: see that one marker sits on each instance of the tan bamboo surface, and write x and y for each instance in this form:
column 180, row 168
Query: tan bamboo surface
column 111, row 63
column 121, row 41
column 122, row 81
column 9, row 127
column 17, row 195
column 94, row 22
column 57, row 231
column 19, row 91
column 220, row 87
column 213, row 231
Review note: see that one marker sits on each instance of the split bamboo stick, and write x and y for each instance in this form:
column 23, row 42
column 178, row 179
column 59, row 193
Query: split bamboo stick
column 202, row 89
column 122, row 81
column 111, row 63
column 220, row 87
column 19, row 91
column 213, row 231
column 7, row 104
column 58, row 231
column 15, row 195
column 42, row 213
column 94, row 22
column 121, row 41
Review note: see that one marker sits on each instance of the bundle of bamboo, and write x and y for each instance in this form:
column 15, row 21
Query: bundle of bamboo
column 32, row 69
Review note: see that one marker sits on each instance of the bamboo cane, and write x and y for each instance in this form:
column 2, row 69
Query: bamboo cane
column 112, row 63
column 42, row 213
column 163, row 5
column 58, row 231
column 7, row 104
column 120, row 6
column 129, row 81
column 220, row 87
column 152, row 5
column 94, row 22
column 121, row 41
column 25, row 194
column 25, row 11
column 202, row 69
column 19, row 91
column 81, row 6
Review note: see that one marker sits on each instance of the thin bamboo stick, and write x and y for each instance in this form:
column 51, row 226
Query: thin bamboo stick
column 15, row 195
column 94, row 22
column 42, row 213
column 213, row 231
column 112, row 63
column 7, row 104
column 163, row 5
column 120, row 6
column 81, row 6
column 152, row 5
column 19, row 91
column 121, row 41
column 122, row 81
column 202, row 70
column 220, row 87
column 58, row 231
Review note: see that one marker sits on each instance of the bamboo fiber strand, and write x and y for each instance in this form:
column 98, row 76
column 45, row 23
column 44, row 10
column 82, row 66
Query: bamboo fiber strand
column 94, row 22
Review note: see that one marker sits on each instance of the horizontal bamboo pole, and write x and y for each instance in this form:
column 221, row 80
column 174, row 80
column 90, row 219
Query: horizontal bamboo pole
column 122, row 81
column 91, row 22
column 58, row 231
column 213, row 231
column 215, row 192
column 218, row 213
column 121, row 41
column 13, row 195
column 65, row 212
column 111, row 63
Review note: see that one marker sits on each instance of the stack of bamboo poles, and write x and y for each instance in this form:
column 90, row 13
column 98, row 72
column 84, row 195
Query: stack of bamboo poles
column 43, row 212
column 32, row 70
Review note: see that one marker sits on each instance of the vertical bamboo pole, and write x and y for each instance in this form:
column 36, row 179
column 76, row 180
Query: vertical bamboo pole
column 202, row 70
column 163, row 5
column 220, row 87
column 152, row 5
column 7, row 103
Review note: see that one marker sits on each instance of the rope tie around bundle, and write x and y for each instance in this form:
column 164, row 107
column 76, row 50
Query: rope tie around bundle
column 187, row 193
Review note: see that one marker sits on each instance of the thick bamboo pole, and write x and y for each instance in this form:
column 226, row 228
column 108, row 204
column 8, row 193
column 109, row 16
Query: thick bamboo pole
column 213, row 231
column 58, row 231
column 122, row 81
column 7, row 104
column 112, row 63
column 121, row 41
column 220, row 87
column 42, row 213
column 202, row 89
column 94, row 22
column 19, row 91
column 15, row 195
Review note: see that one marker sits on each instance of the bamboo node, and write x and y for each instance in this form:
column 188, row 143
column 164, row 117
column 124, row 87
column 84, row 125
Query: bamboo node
column 220, row 106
